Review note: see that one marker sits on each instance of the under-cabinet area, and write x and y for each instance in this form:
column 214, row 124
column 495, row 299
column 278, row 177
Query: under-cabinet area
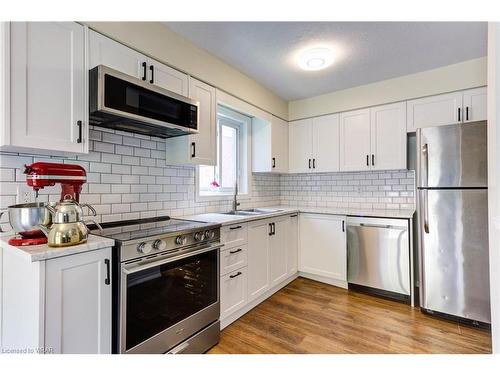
column 161, row 195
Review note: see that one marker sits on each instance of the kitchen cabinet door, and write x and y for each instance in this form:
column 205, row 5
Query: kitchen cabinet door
column 201, row 148
column 355, row 140
column 326, row 143
column 388, row 136
column 292, row 244
column 475, row 105
column 78, row 303
column 278, row 250
column 434, row 111
column 168, row 78
column 105, row 51
column 233, row 292
column 300, row 146
column 322, row 249
column 48, row 82
column 258, row 258
column 279, row 145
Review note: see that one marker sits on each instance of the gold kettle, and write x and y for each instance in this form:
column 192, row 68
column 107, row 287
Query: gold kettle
column 67, row 227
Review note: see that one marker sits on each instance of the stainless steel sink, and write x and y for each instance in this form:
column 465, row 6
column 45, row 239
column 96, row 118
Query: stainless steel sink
column 252, row 211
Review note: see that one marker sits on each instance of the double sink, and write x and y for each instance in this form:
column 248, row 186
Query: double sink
column 252, row 212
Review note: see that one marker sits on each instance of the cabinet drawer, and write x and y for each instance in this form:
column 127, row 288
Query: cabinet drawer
column 233, row 292
column 234, row 235
column 232, row 259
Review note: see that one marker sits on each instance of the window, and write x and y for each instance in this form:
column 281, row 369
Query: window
column 232, row 158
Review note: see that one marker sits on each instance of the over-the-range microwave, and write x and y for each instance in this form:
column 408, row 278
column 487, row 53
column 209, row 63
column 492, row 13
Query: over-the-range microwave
column 122, row 102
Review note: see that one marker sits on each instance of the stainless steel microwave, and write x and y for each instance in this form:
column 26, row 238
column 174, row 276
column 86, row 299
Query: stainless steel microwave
column 122, row 102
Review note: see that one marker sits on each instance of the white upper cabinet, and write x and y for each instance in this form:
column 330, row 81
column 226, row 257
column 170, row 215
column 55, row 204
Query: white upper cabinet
column 314, row 145
column 270, row 145
column 434, row 111
column 322, row 248
column 388, row 136
column 198, row 148
column 355, row 140
column 105, row 51
column 475, row 105
column 167, row 78
column 300, row 146
column 48, row 88
column 326, row 139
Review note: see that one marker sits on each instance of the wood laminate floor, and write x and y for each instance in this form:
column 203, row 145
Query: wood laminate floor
column 310, row 317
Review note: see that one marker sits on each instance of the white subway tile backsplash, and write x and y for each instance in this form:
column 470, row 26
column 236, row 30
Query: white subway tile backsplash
column 127, row 178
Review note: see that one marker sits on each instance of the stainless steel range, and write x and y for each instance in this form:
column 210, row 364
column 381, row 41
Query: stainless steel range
column 165, row 285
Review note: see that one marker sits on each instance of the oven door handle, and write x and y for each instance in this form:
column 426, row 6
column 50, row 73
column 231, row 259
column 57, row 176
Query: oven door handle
column 140, row 266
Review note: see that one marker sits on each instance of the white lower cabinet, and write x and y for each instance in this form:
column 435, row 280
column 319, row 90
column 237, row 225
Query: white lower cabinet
column 322, row 247
column 60, row 305
column 256, row 259
column 78, row 303
column 233, row 292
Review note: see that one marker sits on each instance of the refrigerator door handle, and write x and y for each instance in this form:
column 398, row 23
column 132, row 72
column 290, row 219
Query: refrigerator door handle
column 425, row 209
column 425, row 157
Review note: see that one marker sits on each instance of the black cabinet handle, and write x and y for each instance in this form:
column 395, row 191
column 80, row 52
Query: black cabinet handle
column 314, row 163
column 270, row 229
column 107, row 281
column 467, row 113
column 152, row 68
column 458, row 114
column 234, row 251
column 236, row 227
column 144, row 71
column 274, row 228
column 235, row 275
column 309, row 163
column 274, row 162
column 368, row 160
column 193, row 148
column 343, row 226
column 294, row 215
column 373, row 159
column 79, row 124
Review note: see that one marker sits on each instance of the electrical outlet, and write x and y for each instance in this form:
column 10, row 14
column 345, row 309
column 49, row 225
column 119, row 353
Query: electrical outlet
column 25, row 194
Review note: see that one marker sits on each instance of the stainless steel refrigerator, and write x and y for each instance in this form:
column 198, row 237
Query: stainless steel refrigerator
column 452, row 205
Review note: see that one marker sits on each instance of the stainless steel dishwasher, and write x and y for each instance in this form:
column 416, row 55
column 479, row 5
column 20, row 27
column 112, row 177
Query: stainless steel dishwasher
column 378, row 256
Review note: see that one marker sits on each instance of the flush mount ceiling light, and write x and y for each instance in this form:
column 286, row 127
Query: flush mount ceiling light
column 316, row 58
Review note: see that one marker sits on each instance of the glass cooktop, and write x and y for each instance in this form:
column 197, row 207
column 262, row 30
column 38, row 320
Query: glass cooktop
column 141, row 228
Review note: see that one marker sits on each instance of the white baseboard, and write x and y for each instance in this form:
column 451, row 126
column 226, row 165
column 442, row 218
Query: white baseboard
column 238, row 314
column 323, row 279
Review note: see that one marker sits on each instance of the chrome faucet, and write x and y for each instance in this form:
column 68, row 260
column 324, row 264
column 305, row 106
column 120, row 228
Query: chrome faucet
column 235, row 200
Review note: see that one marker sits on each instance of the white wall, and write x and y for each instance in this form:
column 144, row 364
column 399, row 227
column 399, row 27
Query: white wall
column 454, row 77
column 158, row 41
column 494, row 177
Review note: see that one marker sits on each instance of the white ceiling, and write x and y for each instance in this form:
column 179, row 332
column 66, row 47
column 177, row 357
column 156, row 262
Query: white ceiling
column 366, row 51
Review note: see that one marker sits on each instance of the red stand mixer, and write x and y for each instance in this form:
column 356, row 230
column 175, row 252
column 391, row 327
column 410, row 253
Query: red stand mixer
column 25, row 217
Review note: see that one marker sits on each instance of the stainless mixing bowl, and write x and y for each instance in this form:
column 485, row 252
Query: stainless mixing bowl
column 25, row 217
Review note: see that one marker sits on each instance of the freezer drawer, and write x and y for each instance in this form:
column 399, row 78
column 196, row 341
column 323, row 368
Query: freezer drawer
column 379, row 254
column 453, row 240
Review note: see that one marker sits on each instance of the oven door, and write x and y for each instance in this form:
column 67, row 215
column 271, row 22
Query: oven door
column 165, row 301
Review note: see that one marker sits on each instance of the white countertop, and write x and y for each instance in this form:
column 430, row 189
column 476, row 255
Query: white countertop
column 225, row 219
column 36, row 253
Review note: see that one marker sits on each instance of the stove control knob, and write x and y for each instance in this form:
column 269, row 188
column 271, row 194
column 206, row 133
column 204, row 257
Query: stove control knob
column 209, row 234
column 198, row 236
column 159, row 245
column 144, row 248
column 180, row 240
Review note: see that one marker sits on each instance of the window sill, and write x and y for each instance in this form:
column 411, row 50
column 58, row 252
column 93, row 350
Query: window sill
column 222, row 197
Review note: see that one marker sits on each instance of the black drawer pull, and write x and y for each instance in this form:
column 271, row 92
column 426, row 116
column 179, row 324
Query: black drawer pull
column 193, row 148
column 236, row 227
column 235, row 275
column 274, row 162
column 467, row 113
column 458, row 114
column 235, row 251
column 294, row 215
